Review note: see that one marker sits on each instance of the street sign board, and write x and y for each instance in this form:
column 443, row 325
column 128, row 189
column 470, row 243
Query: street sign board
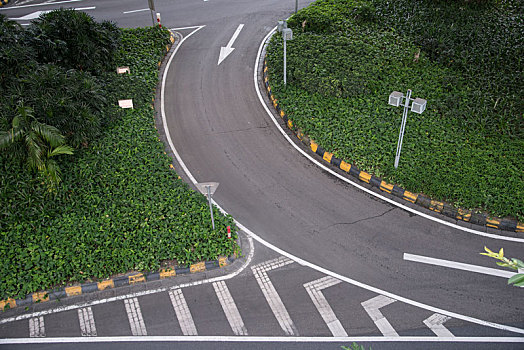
column 203, row 187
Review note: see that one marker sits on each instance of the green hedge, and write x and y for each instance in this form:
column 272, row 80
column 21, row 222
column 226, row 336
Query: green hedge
column 344, row 61
column 120, row 206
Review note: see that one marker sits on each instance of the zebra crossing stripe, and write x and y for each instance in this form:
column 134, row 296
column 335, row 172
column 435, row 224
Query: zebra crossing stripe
column 435, row 323
column 230, row 308
column 314, row 289
column 87, row 322
column 271, row 294
column 36, row 327
column 134, row 314
column 372, row 307
column 182, row 312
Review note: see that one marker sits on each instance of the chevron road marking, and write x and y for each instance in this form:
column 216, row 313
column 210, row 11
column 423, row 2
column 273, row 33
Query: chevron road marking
column 372, row 307
column 230, row 308
column 314, row 290
column 87, row 322
column 435, row 323
column 271, row 294
column 134, row 314
column 182, row 312
column 36, row 327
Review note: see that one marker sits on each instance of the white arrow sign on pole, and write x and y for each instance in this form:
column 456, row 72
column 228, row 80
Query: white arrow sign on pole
column 225, row 51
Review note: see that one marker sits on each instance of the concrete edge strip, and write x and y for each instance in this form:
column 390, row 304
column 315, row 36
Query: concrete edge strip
column 126, row 280
column 351, row 169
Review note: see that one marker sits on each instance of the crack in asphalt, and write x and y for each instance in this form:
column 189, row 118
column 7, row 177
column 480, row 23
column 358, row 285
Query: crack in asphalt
column 240, row 130
column 360, row 220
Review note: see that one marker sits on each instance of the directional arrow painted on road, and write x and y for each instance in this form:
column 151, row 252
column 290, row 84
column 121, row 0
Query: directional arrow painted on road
column 372, row 307
column 436, row 323
column 226, row 51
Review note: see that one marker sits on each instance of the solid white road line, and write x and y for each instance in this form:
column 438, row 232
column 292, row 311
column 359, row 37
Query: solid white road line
column 459, row 266
column 182, row 312
column 134, row 314
column 133, row 11
column 436, row 323
column 314, row 290
column 42, row 4
column 271, row 294
column 343, row 178
column 87, row 322
column 260, row 339
column 230, row 308
column 372, row 307
column 36, row 327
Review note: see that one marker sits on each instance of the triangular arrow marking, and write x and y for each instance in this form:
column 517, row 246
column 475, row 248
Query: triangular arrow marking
column 226, row 51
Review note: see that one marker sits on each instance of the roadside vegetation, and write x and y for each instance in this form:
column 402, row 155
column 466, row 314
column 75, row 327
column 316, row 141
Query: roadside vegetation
column 464, row 57
column 86, row 190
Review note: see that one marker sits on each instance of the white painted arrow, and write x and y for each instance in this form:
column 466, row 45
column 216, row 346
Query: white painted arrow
column 225, row 51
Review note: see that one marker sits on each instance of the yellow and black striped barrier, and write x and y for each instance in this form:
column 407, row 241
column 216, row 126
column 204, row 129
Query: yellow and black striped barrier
column 436, row 206
column 127, row 280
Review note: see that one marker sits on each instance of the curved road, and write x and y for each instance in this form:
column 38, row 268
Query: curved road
column 223, row 133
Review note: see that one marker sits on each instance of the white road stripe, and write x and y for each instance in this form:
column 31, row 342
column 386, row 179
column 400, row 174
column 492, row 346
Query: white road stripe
column 84, row 8
column 87, row 322
column 314, row 290
column 133, row 11
column 372, row 307
column 435, row 323
column 36, row 327
column 459, row 266
column 230, row 308
column 134, row 314
column 42, row 4
column 271, row 294
column 182, row 312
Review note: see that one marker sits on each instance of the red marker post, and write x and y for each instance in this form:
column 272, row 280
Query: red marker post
column 229, row 232
column 158, row 19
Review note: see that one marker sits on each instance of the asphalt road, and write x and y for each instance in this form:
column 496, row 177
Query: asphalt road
column 222, row 133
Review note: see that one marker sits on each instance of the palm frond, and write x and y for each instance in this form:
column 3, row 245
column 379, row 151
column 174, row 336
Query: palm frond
column 63, row 149
column 48, row 133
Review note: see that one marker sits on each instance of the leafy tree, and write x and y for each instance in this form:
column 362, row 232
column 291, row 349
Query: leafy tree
column 73, row 39
column 39, row 143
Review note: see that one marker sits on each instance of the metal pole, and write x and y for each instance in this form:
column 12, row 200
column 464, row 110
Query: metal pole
column 402, row 128
column 210, row 205
column 152, row 9
column 296, row 6
column 285, row 75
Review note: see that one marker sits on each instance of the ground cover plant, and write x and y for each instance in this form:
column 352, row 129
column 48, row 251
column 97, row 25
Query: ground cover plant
column 463, row 57
column 120, row 206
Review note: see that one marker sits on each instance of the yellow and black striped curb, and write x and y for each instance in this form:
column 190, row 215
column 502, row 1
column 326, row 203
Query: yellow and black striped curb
column 127, row 280
column 436, row 206
column 3, row 2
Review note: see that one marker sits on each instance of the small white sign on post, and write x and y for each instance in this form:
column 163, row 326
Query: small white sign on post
column 122, row 70
column 125, row 103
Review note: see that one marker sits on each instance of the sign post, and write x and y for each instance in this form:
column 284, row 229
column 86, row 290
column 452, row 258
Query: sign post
column 152, row 9
column 208, row 189
column 287, row 34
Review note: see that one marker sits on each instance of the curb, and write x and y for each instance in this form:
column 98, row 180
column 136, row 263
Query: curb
column 3, row 2
column 421, row 200
column 127, row 280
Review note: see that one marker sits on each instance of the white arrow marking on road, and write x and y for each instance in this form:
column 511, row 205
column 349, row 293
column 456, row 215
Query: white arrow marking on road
column 372, row 307
column 458, row 266
column 37, row 14
column 314, row 290
column 435, row 323
column 271, row 294
column 225, row 51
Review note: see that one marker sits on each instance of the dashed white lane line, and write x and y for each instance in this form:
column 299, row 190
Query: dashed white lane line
column 230, row 308
column 36, row 327
column 134, row 314
column 87, row 322
column 436, row 323
column 314, row 290
column 183, row 314
column 271, row 294
column 372, row 307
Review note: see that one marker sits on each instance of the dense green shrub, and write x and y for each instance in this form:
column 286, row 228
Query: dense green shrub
column 466, row 148
column 73, row 39
column 120, row 207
